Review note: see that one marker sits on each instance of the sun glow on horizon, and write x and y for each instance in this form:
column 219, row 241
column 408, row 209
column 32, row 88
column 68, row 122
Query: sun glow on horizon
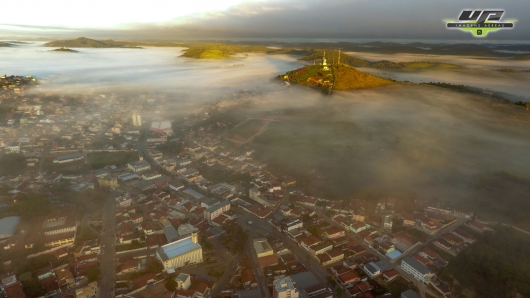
column 104, row 14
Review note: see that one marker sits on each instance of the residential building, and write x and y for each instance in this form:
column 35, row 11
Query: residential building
column 90, row 291
column 262, row 247
column 68, row 158
column 183, row 281
column 386, row 222
column 186, row 230
column 410, row 294
column 416, row 269
column 139, row 166
column 285, row 288
column 293, row 224
column 137, row 119
column 214, row 211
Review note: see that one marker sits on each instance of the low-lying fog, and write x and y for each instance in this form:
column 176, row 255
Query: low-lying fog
column 427, row 139
column 467, row 61
column 434, row 141
column 479, row 72
column 153, row 68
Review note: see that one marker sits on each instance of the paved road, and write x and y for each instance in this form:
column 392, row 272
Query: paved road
column 108, row 250
column 229, row 271
column 44, row 156
column 303, row 256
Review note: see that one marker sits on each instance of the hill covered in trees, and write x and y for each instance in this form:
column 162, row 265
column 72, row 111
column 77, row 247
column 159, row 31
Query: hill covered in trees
column 339, row 77
column 498, row 265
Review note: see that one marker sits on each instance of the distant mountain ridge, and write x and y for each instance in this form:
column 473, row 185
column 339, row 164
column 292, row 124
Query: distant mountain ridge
column 83, row 42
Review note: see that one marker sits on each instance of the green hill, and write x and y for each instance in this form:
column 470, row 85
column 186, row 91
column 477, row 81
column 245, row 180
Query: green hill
column 340, row 77
column 316, row 55
column 83, row 42
column 220, row 51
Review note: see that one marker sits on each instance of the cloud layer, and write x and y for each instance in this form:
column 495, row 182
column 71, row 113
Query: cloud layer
column 374, row 19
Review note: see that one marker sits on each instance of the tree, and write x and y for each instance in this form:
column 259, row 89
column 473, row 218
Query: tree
column 93, row 274
column 171, row 284
column 340, row 291
column 331, row 280
column 314, row 230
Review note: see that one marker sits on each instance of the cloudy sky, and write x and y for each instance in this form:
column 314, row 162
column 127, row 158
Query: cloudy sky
column 207, row 19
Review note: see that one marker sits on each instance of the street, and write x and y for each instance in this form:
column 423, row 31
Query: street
column 108, row 250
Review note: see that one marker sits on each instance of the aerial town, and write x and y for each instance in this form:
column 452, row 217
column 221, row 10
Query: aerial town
column 105, row 195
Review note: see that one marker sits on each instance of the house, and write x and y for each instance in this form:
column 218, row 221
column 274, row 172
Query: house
column 333, row 232
column 90, row 291
column 320, row 248
column 371, row 269
column 248, row 279
column 390, row 275
column 409, row 220
column 410, row 294
column 349, row 276
column 480, row 227
column 309, row 241
column 464, row 235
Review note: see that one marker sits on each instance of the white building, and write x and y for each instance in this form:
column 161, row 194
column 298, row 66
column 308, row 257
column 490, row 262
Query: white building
column 416, row 269
column 180, row 253
column 68, row 158
column 214, row 211
column 137, row 119
column 183, row 281
column 285, row 288
column 139, row 166
column 386, row 222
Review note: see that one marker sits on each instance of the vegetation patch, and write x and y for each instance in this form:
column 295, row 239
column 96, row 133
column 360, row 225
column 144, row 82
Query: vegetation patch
column 220, row 51
column 348, row 78
column 497, row 265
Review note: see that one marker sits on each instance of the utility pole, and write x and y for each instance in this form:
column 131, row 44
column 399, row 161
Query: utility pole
column 339, row 57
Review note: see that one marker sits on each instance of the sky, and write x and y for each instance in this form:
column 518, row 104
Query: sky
column 225, row 19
